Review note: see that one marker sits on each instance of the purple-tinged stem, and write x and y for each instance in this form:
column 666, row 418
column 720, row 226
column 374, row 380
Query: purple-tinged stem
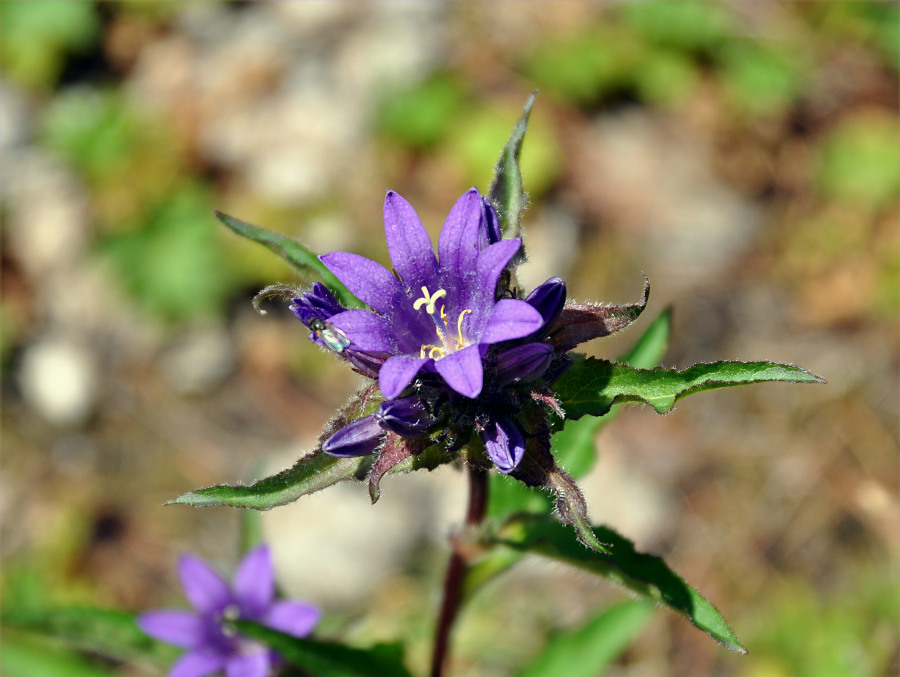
column 456, row 571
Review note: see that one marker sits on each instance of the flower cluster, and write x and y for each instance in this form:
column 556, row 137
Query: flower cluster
column 212, row 644
column 445, row 337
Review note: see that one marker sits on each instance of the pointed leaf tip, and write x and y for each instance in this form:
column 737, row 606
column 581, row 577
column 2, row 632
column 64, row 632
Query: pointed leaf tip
column 646, row 575
column 506, row 193
column 296, row 254
column 592, row 386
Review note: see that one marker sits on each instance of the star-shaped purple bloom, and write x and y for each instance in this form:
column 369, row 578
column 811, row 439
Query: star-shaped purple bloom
column 438, row 314
column 438, row 318
column 212, row 646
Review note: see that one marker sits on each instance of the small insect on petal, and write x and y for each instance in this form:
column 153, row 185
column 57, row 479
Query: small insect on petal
column 334, row 339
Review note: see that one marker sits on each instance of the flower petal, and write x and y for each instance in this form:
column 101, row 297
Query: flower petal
column 255, row 664
column 173, row 626
column 458, row 243
column 511, row 319
column 488, row 266
column 359, row 438
column 197, row 664
column 463, row 371
column 370, row 282
column 294, row 618
column 366, row 330
column 204, row 588
column 408, row 242
column 254, row 583
column 397, row 373
column 504, row 443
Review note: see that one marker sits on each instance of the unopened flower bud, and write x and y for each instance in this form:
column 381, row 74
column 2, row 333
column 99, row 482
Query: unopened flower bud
column 359, row 438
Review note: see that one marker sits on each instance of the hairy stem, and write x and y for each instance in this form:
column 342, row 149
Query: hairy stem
column 456, row 571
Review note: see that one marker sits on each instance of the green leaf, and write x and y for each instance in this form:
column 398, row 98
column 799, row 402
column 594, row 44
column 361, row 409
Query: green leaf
column 509, row 495
column 650, row 348
column 506, row 193
column 294, row 253
column 573, row 449
column 111, row 633
column 645, row 575
column 311, row 473
column 585, row 652
column 592, row 386
column 329, row 659
column 573, row 446
column 172, row 263
column 25, row 657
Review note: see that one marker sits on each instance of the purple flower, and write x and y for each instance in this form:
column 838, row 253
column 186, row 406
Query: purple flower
column 438, row 314
column 212, row 645
column 440, row 322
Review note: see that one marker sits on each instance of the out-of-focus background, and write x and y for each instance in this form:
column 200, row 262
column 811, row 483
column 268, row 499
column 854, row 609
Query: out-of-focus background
column 745, row 156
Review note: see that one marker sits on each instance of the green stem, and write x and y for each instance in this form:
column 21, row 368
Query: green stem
column 456, row 571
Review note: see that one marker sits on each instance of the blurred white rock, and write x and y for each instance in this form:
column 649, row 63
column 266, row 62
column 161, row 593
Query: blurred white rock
column 59, row 380
column 198, row 360
column 335, row 547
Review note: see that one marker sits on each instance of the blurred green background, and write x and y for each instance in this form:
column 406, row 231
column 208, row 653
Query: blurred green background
column 745, row 156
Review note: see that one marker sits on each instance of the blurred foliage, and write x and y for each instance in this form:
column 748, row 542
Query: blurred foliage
column 758, row 79
column 419, row 117
column 129, row 159
column 22, row 655
column 870, row 23
column 477, row 134
column 689, row 26
column 852, row 634
column 858, row 161
column 36, row 38
column 171, row 262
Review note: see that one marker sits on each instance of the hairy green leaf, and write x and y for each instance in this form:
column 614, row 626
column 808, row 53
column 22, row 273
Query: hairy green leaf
column 112, row 633
column 585, row 652
column 506, row 193
column 573, row 446
column 329, row 659
column 592, row 386
column 645, row 575
column 294, row 253
column 311, row 473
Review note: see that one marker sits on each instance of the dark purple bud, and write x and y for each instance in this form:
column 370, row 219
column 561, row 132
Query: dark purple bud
column 317, row 303
column 522, row 364
column 406, row 416
column 548, row 299
column 490, row 225
column 360, row 438
column 504, row 443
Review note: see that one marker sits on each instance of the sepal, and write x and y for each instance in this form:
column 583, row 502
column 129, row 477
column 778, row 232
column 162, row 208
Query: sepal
column 396, row 449
column 580, row 322
column 538, row 468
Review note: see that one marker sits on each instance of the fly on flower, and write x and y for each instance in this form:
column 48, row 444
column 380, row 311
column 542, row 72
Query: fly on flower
column 333, row 338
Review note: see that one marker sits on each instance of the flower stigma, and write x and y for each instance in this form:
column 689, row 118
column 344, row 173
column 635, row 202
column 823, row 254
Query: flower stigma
column 442, row 327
